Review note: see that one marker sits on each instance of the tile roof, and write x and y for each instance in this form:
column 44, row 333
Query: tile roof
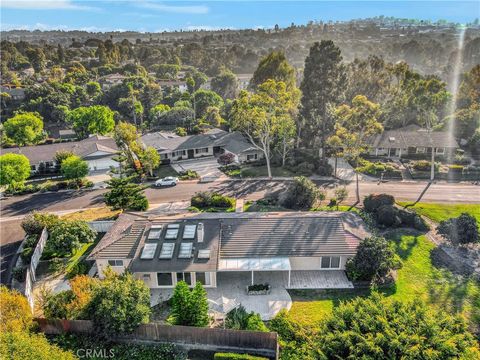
column 82, row 148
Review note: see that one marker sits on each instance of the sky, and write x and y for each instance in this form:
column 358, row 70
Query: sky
column 157, row 16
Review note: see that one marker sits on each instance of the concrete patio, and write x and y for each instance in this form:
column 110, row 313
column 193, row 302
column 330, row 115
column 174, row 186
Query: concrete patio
column 232, row 285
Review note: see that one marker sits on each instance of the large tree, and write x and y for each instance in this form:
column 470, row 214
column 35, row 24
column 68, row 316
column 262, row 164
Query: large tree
column 274, row 66
column 354, row 125
column 150, row 159
column 73, row 167
column 91, row 120
column 225, row 84
column 259, row 115
column 24, row 128
column 124, row 194
column 203, row 99
column 322, row 87
column 14, row 169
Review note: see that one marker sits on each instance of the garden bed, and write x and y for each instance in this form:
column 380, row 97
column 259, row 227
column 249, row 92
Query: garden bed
column 259, row 289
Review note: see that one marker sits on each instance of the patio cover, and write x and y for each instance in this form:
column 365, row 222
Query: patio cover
column 255, row 264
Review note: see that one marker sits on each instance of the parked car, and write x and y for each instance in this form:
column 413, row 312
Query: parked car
column 167, row 181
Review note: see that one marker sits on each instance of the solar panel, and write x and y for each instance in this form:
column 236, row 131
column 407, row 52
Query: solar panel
column 185, row 251
column 172, row 231
column 203, row 254
column 189, row 231
column 148, row 251
column 167, row 251
column 155, row 232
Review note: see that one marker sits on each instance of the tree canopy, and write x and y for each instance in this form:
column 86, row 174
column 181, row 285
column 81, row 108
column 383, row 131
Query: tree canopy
column 24, row 128
column 14, row 169
column 73, row 167
column 91, row 120
column 274, row 66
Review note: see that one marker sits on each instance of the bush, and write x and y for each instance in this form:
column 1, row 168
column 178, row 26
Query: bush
column 378, row 168
column 387, row 216
column 460, row 230
column 80, row 268
column 423, row 165
column 55, row 306
column 188, row 175
column 234, row 356
column 66, row 236
column 240, row 319
column 373, row 261
column 26, row 255
column 205, row 200
column 226, row 158
column 189, row 307
column 15, row 311
column 373, row 201
column 34, row 223
column 19, row 273
column 180, row 131
column 302, row 194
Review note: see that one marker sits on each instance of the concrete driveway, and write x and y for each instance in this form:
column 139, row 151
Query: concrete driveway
column 206, row 167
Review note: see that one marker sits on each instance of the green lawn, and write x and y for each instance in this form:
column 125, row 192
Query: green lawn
column 164, row 171
column 81, row 253
column 439, row 212
column 418, row 278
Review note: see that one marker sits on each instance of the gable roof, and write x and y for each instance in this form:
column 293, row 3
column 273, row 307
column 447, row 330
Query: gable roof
column 412, row 136
column 82, row 148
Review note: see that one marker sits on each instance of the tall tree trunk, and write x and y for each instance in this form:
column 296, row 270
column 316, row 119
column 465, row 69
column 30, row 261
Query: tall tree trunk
column 284, row 155
column 432, row 167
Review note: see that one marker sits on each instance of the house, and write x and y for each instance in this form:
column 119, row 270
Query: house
column 16, row 93
column 181, row 85
column 107, row 81
column 172, row 147
column 97, row 151
column 67, row 134
column 308, row 250
column 411, row 140
column 243, row 80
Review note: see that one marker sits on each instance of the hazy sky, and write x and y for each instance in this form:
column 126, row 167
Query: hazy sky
column 153, row 15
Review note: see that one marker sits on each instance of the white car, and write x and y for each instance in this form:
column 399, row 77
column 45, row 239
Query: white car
column 167, row 181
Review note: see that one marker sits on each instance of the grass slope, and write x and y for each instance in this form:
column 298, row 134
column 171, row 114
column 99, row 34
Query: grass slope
column 438, row 212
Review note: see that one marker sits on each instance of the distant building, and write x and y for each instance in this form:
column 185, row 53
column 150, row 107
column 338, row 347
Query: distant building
column 67, row 134
column 181, row 85
column 411, row 139
column 214, row 142
column 107, row 81
column 243, row 80
column 16, row 93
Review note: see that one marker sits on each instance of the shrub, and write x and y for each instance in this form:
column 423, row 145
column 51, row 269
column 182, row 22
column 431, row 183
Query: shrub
column 460, row 230
column 373, row 201
column 373, row 260
column 19, row 273
column 234, row 356
column 180, row 131
column 226, row 158
column 34, row 222
column 387, row 215
column 240, row 319
column 66, row 236
column 188, row 175
column 302, row 194
column 15, row 312
column 423, row 165
column 26, row 255
column 55, row 306
column 80, row 268
column 205, row 199
column 189, row 307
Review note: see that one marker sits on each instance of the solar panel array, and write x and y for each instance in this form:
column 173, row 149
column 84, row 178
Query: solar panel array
column 148, row 251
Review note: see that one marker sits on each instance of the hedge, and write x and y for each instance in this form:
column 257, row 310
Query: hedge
column 233, row 356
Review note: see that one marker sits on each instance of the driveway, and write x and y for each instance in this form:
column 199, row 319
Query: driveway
column 206, row 168
column 346, row 172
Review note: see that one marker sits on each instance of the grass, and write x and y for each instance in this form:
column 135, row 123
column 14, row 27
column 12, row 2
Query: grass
column 164, row 171
column 438, row 212
column 418, row 278
column 100, row 213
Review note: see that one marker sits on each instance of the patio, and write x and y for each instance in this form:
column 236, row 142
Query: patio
column 231, row 286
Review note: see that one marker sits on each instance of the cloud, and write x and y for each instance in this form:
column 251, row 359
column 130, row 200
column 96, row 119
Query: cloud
column 43, row 5
column 178, row 9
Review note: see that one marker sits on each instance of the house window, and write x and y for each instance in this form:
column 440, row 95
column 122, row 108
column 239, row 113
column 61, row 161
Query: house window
column 184, row 276
column 33, row 168
column 203, row 278
column 421, row 150
column 330, row 262
column 440, row 151
column 252, row 157
column 201, row 151
column 146, row 277
column 164, row 279
column 115, row 262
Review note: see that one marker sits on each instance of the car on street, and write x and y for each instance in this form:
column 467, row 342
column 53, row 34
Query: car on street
column 166, row 181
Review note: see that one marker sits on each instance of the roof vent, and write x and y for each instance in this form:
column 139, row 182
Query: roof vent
column 391, row 138
column 200, row 232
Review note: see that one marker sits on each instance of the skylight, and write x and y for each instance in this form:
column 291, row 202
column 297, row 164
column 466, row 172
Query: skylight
column 148, row 251
column 167, row 251
column 154, row 233
column 172, row 231
column 204, row 254
column 189, row 231
column 185, row 251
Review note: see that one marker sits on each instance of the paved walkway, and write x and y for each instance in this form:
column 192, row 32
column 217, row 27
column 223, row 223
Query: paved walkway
column 206, row 168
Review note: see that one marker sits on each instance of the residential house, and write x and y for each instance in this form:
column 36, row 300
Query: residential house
column 107, row 81
column 181, row 85
column 172, row 147
column 97, row 151
column 243, row 80
column 16, row 93
column 211, row 247
column 411, row 140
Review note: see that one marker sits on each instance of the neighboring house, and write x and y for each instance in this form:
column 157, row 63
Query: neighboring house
column 181, row 85
column 244, row 80
column 411, row 140
column 214, row 142
column 107, row 81
column 197, row 247
column 97, row 151
column 16, row 93
column 67, row 134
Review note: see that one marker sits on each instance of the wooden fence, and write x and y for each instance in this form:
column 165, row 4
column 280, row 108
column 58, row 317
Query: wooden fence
column 251, row 342
column 101, row 226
